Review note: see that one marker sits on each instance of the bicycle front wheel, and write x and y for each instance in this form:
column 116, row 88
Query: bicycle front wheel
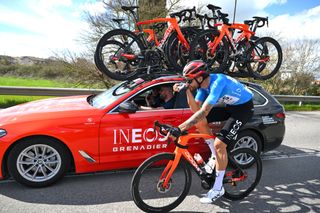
column 264, row 58
column 119, row 54
column 242, row 178
column 147, row 188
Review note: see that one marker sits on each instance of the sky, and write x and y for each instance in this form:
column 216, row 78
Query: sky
column 42, row 28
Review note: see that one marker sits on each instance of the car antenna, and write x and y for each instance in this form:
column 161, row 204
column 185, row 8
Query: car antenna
column 234, row 11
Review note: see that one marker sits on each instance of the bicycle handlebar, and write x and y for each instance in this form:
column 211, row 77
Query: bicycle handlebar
column 165, row 130
column 184, row 15
column 263, row 21
column 213, row 8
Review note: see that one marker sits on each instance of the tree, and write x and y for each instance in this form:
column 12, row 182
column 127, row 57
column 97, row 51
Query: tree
column 99, row 24
column 299, row 69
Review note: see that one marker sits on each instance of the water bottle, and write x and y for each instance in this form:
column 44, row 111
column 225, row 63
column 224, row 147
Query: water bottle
column 209, row 167
column 199, row 160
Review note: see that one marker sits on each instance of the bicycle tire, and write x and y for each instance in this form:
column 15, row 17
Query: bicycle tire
column 236, row 191
column 260, row 44
column 142, row 199
column 176, row 53
column 219, row 62
column 108, row 38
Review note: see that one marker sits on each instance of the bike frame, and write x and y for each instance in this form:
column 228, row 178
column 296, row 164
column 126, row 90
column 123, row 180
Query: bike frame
column 173, row 26
column 151, row 35
column 181, row 152
column 225, row 31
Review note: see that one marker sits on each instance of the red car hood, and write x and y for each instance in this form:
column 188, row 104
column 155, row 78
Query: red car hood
column 46, row 107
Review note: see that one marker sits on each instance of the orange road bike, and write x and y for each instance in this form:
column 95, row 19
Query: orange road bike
column 260, row 58
column 163, row 181
column 122, row 54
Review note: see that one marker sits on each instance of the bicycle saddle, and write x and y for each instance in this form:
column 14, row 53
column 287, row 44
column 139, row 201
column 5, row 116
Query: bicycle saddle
column 212, row 7
column 222, row 15
column 130, row 8
column 118, row 20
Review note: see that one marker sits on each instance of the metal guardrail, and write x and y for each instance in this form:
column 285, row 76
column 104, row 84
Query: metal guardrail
column 41, row 91
column 44, row 91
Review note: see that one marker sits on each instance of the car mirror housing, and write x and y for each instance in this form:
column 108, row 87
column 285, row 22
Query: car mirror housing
column 128, row 107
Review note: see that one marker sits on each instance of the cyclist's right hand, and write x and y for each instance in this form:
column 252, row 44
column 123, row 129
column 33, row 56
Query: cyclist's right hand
column 177, row 87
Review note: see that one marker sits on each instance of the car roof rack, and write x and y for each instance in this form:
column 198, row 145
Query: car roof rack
column 153, row 76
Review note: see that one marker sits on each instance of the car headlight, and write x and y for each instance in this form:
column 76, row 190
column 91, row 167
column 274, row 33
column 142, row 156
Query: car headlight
column 3, row 133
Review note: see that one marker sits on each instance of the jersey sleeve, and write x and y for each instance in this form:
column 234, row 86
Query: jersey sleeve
column 216, row 90
column 201, row 95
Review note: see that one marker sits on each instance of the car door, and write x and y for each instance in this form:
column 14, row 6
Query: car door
column 126, row 139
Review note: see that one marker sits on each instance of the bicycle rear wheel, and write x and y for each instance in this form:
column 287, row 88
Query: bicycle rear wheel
column 264, row 58
column 176, row 53
column 199, row 50
column 119, row 54
column 147, row 190
column 240, row 178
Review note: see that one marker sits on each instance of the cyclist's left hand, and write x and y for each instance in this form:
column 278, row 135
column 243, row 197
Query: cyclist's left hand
column 175, row 132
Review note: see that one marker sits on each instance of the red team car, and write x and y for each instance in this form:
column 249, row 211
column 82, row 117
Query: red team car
column 42, row 140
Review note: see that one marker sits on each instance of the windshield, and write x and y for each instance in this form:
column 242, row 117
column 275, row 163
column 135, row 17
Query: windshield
column 114, row 93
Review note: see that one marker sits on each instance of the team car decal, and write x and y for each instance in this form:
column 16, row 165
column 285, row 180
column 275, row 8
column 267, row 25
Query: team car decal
column 138, row 139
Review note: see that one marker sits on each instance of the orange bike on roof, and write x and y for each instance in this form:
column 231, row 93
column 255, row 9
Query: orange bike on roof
column 173, row 26
column 260, row 58
column 123, row 55
column 163, row 181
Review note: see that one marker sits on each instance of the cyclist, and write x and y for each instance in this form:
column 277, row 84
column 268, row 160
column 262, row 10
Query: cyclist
column 219, row 97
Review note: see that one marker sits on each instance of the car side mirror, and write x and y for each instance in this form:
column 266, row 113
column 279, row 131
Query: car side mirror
column 128, row 107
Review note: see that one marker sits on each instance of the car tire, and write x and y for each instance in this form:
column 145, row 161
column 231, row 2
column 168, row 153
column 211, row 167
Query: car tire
column 38, row 162
column 246, row 139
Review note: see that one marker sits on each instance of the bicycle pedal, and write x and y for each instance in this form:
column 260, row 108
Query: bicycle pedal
column 205, row 185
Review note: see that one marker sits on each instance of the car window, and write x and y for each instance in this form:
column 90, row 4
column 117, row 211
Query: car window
column 143, row 97
column 258, row 98
column 114, row 93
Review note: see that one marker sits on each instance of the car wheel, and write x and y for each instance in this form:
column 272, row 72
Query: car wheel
column 38, row 162
column 246, row 139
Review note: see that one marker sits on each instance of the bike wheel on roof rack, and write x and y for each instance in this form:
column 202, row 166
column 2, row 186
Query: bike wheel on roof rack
column 176, row 53
column 264, row 58
column 217, row 60
column 119, row 55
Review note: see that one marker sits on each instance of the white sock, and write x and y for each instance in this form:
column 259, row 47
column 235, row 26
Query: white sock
column 210, row 144
column 219, row 180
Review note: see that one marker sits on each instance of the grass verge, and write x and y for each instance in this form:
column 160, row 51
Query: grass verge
column 306, row 107
column 9, row 100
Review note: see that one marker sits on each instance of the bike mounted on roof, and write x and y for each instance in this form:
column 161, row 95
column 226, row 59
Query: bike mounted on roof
column 227, row 48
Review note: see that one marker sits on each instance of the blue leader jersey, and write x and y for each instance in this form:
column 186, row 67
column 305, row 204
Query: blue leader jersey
column 224, row 89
